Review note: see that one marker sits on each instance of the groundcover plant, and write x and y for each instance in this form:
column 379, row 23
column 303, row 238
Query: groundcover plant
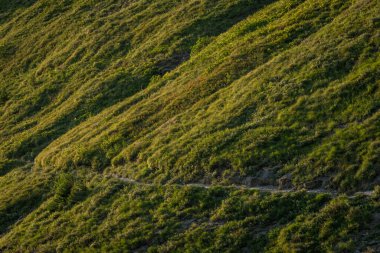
column 190, row 126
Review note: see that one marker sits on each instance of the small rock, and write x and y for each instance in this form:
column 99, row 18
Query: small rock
column 285, row 182
column 248, row 181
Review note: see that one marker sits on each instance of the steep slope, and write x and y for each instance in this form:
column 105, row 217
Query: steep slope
column 126, row 218
column 178, row 93
column 62, row 63
column 283, row 93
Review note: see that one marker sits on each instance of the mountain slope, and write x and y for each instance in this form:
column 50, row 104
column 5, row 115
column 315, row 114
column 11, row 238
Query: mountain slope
column 119, row 218
column 252, row 108
column 61, row 70
column 248, row 92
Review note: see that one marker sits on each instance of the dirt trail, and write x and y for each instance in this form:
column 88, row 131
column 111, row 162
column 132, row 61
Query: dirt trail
column 271, row 189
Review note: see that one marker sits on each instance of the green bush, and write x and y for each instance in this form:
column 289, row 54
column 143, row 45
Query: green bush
column 68, row 191
column 7, row 50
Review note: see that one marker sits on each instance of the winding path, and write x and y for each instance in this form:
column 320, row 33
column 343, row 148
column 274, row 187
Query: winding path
column 270, row 189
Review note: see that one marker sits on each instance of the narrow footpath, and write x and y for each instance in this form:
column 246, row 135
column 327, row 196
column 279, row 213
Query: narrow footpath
column 270, row 189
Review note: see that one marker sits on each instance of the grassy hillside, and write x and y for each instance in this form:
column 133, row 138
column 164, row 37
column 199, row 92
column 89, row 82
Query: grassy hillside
column 107, row 215
column 292, row 88
column 222, row 92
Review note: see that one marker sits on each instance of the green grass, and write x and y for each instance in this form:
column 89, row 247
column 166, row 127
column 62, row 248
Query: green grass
column 172, row 91
column 277, row 90
column 118, row 217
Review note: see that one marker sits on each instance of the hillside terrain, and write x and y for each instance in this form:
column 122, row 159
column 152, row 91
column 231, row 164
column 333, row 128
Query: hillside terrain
column 190, row 126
